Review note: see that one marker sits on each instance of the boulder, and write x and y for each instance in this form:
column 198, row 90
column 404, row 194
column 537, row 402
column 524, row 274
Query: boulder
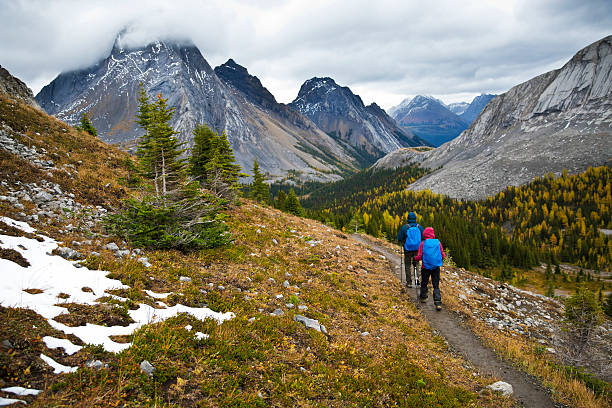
column 502, row 387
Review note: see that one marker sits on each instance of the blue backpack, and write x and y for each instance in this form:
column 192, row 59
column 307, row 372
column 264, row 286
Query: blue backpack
column 413, row 239
column 432, row 256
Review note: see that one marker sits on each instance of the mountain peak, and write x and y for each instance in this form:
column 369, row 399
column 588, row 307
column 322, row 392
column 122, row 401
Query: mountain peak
column 231, row 64
column 238, row 77
column 429, row 118
column 129, row 39
column 314, row 83
column 342, row 114
column 14, row 88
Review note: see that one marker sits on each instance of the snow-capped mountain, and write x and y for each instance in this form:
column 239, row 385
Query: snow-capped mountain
column 458, row 107
column 342, row 114
column 558, row 120
column 429, row 118
column 107, row 91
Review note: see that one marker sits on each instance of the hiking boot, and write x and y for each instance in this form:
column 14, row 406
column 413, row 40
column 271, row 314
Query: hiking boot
column 438, row 305
column 423, row 299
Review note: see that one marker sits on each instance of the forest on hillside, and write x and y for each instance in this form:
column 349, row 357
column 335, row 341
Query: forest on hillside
column 552, row 220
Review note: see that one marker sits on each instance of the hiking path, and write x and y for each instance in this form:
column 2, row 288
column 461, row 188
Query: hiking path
column 527, row 391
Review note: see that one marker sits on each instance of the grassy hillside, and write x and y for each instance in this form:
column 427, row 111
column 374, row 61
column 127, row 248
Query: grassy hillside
column 378, row 350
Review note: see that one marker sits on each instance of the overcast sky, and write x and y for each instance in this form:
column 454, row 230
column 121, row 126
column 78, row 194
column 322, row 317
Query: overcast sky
column 383, row 50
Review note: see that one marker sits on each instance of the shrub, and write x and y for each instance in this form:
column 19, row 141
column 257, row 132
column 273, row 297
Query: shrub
column 191, row 223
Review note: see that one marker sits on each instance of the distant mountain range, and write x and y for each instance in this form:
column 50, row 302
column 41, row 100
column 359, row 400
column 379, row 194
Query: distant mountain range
column 283, row 138
column 458, row 107
column 343, row 115
column 432, row 120
column 475, row 107
column 558, row 120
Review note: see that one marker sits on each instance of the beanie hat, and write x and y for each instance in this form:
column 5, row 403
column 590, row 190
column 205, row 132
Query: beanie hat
column 411, row 217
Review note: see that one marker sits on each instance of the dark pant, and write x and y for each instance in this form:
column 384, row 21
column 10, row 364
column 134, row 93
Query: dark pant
column 409, row 262
column 435, row 282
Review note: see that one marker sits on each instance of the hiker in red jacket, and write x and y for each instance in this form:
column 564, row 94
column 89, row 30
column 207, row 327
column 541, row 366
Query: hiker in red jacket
column 432, row 255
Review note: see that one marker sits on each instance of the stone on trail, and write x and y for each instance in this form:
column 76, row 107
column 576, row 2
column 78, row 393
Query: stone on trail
column 503, row 387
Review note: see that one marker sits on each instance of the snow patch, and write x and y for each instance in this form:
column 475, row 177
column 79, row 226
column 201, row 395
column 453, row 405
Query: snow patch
column 67, row 345
column 55, row 275
column 57, row 367
column 21, row 391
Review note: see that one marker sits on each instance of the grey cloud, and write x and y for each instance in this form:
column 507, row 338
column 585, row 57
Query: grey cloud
column 386, row 49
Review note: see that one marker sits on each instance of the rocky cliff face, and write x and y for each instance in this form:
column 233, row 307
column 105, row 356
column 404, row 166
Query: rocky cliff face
column 14, row 88
column 342, row 114
column 107, row 91
column 559, row 120
column 429, row 118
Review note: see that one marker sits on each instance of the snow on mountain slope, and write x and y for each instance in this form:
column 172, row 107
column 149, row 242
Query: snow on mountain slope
column 108, row 92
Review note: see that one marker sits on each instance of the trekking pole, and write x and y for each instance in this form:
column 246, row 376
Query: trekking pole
column 416, row 279
column 401, row 268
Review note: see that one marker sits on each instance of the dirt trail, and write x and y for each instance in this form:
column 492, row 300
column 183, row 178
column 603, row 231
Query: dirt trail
column 461, row 340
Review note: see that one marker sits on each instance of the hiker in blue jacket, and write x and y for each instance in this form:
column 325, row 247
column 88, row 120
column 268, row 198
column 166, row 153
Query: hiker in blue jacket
column 410, row 237
column 432, row 254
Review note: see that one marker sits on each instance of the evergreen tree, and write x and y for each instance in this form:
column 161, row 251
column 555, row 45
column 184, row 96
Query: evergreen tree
column 355, row 223
column 259, row 190
column 548, row 272
column 143, row 116
column 179, row 215
column 281, row 199
column 221, row 170
column 212, row 162
column 583, row 315
column 202, row 152
column 86, row 126
column 132, row 178
column 159, row 150
column 292, row 205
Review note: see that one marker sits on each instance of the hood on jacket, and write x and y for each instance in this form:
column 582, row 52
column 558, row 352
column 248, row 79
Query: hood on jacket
column 411, row 218
column 428, row 233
